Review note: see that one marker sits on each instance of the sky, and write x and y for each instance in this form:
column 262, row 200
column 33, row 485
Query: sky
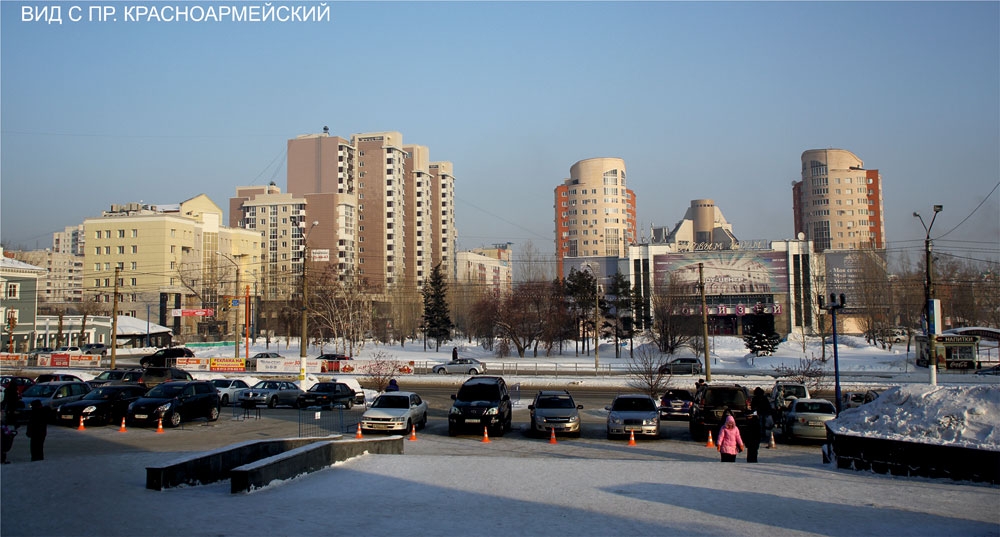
column 701, row 99
column 561, row 489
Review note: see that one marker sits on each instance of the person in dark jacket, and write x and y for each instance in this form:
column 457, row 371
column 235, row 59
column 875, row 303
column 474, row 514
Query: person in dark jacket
column 7, row 435
column 454, row 354
column 11, row 401
column 38, row 422
column 393, row 386
column 751, row 437
column 762, row 407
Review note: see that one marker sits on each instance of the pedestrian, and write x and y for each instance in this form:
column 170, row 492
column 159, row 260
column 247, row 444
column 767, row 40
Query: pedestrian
column 751, row 437
column 454, row 354
column 7, row 435
column 393, row 386
column 760, row 404
column 11, row 401
column 38, row 421
column 729, row 443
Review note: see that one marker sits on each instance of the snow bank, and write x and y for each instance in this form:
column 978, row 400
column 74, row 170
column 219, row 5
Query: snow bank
column 965, row 416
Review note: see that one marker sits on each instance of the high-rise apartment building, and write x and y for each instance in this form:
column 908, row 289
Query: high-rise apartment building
column 442, row 210
column 419, row 217
column 63, row 280
column 838, row 203
column 381, row 208
column 594, row 211
column 69, row 241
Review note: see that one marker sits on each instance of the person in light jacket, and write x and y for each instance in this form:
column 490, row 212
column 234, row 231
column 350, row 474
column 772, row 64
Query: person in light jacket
column 729, row 443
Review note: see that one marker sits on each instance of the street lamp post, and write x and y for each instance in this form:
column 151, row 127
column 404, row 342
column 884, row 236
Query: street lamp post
column 832, row 308
column 236, row 290
column 304, row 337
column 931, row 325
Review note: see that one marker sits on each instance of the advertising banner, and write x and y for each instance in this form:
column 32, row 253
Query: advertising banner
column 227, row 364
column 85, row 360
column 193, row 364
column 59, row 359
column 286, row 365
column 735, row 272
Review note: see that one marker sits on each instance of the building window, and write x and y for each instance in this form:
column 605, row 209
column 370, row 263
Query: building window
column 121, row 233
column 13, row 291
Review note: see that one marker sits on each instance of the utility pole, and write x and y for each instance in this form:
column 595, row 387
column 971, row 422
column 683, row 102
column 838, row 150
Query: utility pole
column 932, row 325
column 704, row 320
column 304, row 337
column 236, row 325
column 114, row 321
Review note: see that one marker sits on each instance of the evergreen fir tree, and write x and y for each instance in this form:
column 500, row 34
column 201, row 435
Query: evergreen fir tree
column 437, row 319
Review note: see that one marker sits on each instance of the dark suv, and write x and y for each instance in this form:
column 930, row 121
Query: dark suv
column 482, row 402
column 711, row 404
column 174, row 402
column 161, row 357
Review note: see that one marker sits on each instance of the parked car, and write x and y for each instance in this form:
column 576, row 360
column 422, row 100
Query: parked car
column 95, row 349
column 266, row 355
column 57, row 377
column 782, row 395
column 228, row 389
column 162, row 356
column 460, row 366
column 72, row 350
column 676, row 404
column 856, row 399
column 481, row 402
column 681, row 366
column 154, row 376
column 995, row 370
column 806, row 418
column 51, row 394
column 271, row 393
column 116, row 375
column 40, row 350
column 395, row 412
column 633, row 413
column 710, row 405
column 359, row 392
column 554, row 411
column 101, row 406
column 174, row 403
column 327, row 395
column 22, row 383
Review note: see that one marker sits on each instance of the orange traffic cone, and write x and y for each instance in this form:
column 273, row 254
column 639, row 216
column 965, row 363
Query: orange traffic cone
column 486, row 436
column 770, row 443
column 552, row 437
column 81, row 427
column 631, row 438
column 413, row 434
column 122, row 428
column 710, row 443
column 358, row 435
column 159, row 424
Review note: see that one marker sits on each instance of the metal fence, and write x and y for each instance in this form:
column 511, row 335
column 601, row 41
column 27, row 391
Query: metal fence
column 339, row 420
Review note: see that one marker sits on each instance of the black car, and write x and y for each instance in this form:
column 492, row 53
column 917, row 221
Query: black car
column 676, row 404
column 162, row 356
column 176, row 402
column 51, row 395
column 711, row 404
column 116, row 375
column 103, row 405
column 327, row 395
column 481, row 402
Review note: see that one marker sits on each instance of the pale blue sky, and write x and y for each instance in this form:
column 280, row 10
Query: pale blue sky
column 702, row 100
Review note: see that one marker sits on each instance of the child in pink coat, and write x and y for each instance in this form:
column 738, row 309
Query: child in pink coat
column 729, row 443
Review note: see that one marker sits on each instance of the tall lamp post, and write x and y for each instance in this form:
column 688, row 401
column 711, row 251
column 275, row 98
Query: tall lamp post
column 832, row 307
column 236, row 290
column 931, row 325
column 304, row 336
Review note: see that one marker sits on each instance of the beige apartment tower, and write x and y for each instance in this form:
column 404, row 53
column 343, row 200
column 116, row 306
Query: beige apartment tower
column 594, row 211
column 838, row 203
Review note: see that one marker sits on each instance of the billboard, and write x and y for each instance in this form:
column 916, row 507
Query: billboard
column 844, row 270
column 731, row 272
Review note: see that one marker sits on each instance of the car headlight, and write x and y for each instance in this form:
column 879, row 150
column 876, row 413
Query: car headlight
column 90, row 409
column 649, row 421
column 574, row 419
column 492, row 411
column 615, row 419
column 399, row 419
column 130, row 405
column 454, row 410
column 163, row 408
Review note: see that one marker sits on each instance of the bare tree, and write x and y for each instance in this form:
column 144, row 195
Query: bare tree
column 809, row 372
column 381, row 368
column 531, row 266
column 522, row 315
column 873, row 296
column 644, row 370
column 672, row 330
column 89, row 307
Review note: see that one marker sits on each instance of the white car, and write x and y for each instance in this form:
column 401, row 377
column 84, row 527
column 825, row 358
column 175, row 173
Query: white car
column 806, row 418
column 228, row 389
column 71, row 350
column 395, row 412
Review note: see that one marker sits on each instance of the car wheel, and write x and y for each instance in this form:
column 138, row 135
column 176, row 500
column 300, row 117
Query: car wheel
column 409, row 426
column 175, row 419
column 451, row 430
column 423, row 422
column 611, row 436
column 349, row 404
column 473, row 371
column 295, row 403
column 272, row 402
column 225, row 399
column 498, row 431
column 213, row 413
column 441, row 371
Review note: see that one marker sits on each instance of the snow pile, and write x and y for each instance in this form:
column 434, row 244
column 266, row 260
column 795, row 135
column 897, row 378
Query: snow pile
column 965, row 416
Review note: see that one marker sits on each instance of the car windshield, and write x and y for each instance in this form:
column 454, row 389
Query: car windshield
column 221, row 383
column 633, row 404
column 555, row 401
column 110, row 375
column 815, row 407
column 323, row 387
column 391, row 401
column 101, row 394
column 479, row 392
column 40, row 390
column 725, row 398
column 266, row 385
column 683, row 395
column 795, row 391
column 166, row 391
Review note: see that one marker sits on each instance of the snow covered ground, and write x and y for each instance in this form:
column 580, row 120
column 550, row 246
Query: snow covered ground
column 421, row 494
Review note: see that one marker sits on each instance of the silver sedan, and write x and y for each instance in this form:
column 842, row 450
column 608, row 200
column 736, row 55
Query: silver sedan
column 271, row 393
column 460, row 366
column 395, row 412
